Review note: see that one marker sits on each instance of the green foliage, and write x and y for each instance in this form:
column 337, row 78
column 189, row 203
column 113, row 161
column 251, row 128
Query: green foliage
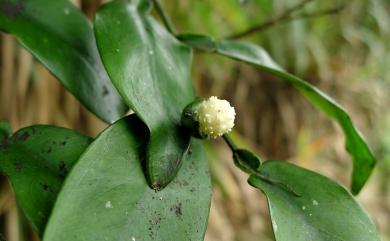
column 246, row 160
column 363, row 159
column 108, row 194
column 62, row 39
column 323, row 210
column 36, row 161
column 152, row 71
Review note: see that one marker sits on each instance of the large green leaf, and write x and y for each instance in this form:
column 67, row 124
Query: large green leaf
column 151, row 70
column 363, row 159
column 36, row 160
column 61, row 37
column 323, row 210
column 107, row 197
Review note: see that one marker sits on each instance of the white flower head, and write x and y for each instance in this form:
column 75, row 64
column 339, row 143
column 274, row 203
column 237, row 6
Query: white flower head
column 215, row 117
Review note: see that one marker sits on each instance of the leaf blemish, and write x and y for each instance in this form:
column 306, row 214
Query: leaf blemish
column 23, row 136
column 46, row 187
column 18, row 165
column 177, row 209
column 5, row 142
column 11, row 10
column 105, row 91
column 154, row 225
column 63, row 170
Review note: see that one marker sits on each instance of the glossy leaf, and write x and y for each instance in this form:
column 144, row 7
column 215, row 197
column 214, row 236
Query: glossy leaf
column 152, row 71
column 199, row 42
column 107, row 197
column 61, row 37
column 363, row 159
column 36, row 160
column 323, row 211
column 246, row 160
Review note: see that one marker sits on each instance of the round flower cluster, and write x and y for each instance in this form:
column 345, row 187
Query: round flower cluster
column 215, row 117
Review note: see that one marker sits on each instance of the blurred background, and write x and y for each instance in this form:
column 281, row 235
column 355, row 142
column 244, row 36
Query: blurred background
column 343, row 47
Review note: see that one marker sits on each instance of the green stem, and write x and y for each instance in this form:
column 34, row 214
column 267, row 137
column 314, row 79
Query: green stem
column 230, row 142
column 288, row 15
column 249, row 170
column 164, row 17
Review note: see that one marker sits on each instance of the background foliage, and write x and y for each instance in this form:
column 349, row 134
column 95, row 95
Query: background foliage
column 346, row 54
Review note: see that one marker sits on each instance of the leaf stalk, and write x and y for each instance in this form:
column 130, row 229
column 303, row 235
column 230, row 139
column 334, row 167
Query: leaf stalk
column 164, row 17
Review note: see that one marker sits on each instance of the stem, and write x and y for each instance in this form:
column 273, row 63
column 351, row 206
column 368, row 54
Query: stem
column 164, row 17
column 230, row 142
column 320, row 13
column 287, row 16
column 257, row 173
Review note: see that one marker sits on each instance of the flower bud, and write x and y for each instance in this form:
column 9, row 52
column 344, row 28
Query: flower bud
column 209, row 118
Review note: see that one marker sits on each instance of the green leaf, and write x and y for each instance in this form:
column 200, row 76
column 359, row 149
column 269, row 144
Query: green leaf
column 152, row 71
column 61, row 37
column 246, row 160
column 36, row 160
column 199, row 42
column 323, row 211
column 106, row 196
column 363, row 159
column 5, row 129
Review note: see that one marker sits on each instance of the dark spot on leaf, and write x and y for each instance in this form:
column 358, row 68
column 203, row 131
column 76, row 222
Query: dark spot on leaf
column 11, row 10
column 18, row 165
column 63, row 143
column 177, row 210
column 105, row 91
column 63, row 170
column 154, row 224
column 5, row 142
column 182, row 183
column 157, row 186
column 23, row 136
column 46, row 187
column 49, row 150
